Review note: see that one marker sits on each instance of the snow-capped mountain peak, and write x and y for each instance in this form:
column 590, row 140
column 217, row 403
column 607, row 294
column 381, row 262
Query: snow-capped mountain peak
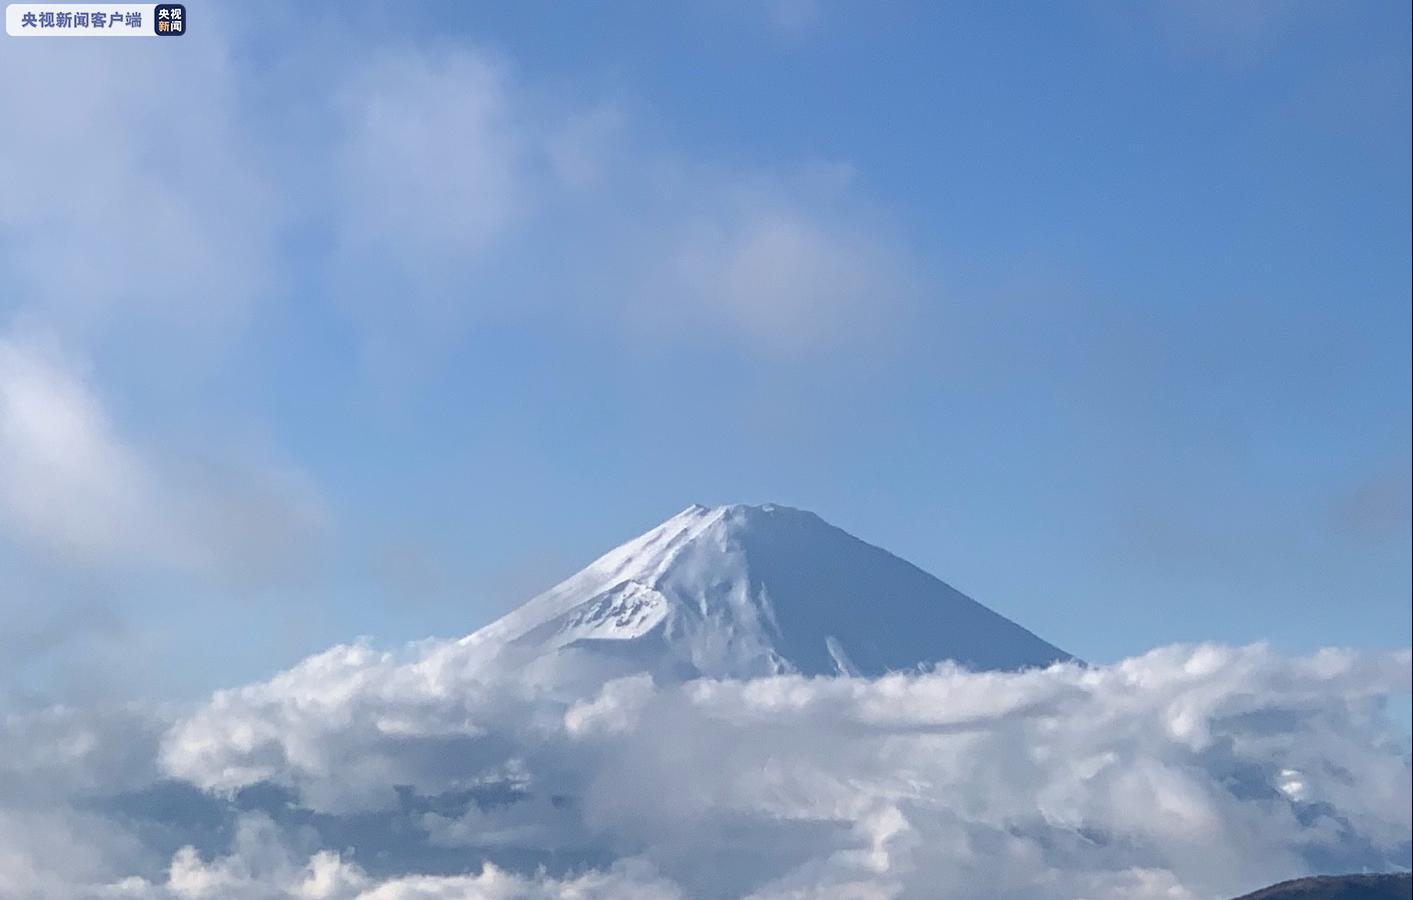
column 751, row 590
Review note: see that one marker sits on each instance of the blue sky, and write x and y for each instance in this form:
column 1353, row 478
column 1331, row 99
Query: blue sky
column 360, row 321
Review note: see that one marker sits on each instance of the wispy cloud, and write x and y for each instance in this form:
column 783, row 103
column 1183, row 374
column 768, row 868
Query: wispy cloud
column 436, row 163
column 784, row 273
column 74, row 486
column 136, row 191
column 470, row 191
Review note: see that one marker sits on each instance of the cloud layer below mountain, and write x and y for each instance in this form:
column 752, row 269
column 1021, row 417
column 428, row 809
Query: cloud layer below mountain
column 451, row 769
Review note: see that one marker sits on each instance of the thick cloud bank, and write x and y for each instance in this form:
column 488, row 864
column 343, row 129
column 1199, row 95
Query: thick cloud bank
column 455, row 771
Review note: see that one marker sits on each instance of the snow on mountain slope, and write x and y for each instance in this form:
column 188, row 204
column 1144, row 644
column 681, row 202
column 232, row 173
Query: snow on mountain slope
column 756, row 590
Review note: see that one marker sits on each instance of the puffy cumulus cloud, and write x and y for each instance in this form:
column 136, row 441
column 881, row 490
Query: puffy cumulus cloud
column 73, row 486
column 343, row 727
column 456, row 769
column 1188, row 772
column 262, row 866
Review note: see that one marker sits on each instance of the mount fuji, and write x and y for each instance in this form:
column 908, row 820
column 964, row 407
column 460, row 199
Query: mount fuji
column 744, row 591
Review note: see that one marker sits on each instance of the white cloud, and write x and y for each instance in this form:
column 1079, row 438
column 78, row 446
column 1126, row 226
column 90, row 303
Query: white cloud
column 787, row 278
column 260, row 867
column 134, row 189
column 580, row 148
column 73, row 486
column 435, row 163
column 1167, row 775
column 1162, row 776
column 162, row 186
column 58, row 853
column 1241, row 27
column 66, row 480
column 466, row 190
column 793, row 15
column 439, row 172
column 1188, row 772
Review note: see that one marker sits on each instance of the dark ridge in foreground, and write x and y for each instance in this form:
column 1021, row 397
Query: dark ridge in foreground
column 1339, row 887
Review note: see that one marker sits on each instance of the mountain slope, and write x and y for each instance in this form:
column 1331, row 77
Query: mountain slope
column 1339, row 887
column 746, row 590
